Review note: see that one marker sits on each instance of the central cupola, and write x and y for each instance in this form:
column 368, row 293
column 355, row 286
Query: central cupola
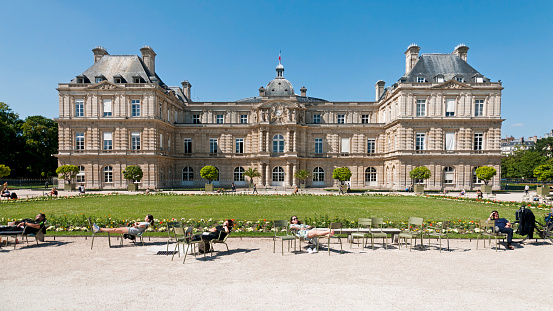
column 279, row 86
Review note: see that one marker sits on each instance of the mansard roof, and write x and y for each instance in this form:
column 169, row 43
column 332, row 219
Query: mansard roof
column 300, row 99
column 126, row 66
column 451, row 66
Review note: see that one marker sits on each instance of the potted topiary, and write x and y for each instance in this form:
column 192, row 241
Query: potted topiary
column 133, row 174
column 67, row 173
column 302, row 175
column 342, row 174
column 543, row 173
column 210, row 173
column 486, row 173
column 419, row 174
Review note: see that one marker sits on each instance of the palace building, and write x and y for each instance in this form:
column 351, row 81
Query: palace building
column 442, row 114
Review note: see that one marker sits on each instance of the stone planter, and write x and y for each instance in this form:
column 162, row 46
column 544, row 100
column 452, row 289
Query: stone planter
column 69, row 187
column 302, row 186
column 132, row 187
column 208, row 187
column 543, row 190
column 486, row 189
column 418, row 188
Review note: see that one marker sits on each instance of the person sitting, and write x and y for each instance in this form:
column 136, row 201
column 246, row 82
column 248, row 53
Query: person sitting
column 53, row 192
column 479, row 194
column 217, row 232
column 81, row 189
column 463, row 192
column 504, row 226
column 306, row 231
column 5, row 192
column 136, row 229
column 295, row 190
column 27, row 226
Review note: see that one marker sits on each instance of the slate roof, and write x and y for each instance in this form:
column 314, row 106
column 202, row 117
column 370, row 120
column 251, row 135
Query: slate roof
column 449, row 65
column 300, row 99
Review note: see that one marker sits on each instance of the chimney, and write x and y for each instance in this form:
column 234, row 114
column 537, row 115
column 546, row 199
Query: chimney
column 149, row 58
column 411, row 57
column 461, row 50
column 261, row 91
column 186, row 88
column 379, row 86
column 303, row 91
column 99, row 52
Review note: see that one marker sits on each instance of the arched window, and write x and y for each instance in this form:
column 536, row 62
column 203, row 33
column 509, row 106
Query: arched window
column 239, row 174
column 278, row 143
column 370, row 174
column 449, row 173
column 475, row 179
column 278, row 174
column 108, row 174
column 187, row 174
column 80, row 175
column 318, row 174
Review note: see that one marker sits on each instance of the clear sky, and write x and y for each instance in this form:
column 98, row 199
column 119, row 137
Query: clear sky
column 228, row 49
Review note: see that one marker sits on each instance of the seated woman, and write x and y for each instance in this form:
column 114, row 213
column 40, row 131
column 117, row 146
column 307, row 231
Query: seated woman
column 5, row 192
column 305, row 231
column 136, row 229
column 53, row 192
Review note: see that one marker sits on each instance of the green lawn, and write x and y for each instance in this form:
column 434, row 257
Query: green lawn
column 392, row 208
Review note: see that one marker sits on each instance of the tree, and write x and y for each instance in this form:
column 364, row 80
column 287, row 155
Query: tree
column 210, row 173
column 67, row 172
column 133, row 173
column 342, row 174
column 302, row 175
column 521, row 164
column 545, row 146
column 544, row 172
column 252, row 173
column 12, row 146
column 420, row 173
column 41, row 143
column 4, row 171
column 485, row 173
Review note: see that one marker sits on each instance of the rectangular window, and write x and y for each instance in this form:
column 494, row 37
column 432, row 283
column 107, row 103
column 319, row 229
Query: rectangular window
column 244, row 119
column 459, row 79
column 135, row 108
column 479, row 80
column 478, row 141
column 219, row 119
column 449, row 175
column 316, row 119
column 98, row 79
column 449, row 141
column 345, row 145
column 135, row 140
column 439, row 79
column 213, row 145
column 160, row 141
column 341, row 119
column 188, row 145
column 371, row 145
column 450, row 107
column 365, row 119
column 239, row 145
column 421, row 79
column 196, row 119
column 479, row 108
column 421, row 107
column 318, row 145
column 419, row 142
column 79, row 141
column 107, row 107
column 79, row 108
column 108, row 141
column 81, row 175
column 176, row 116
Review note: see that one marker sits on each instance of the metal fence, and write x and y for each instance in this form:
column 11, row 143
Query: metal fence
column 27, row 183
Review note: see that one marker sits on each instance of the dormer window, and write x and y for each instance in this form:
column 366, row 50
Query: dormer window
column 479, row 79
column 421, row 79
column 118, row 79
column 81, row 79
column 460, row 79
column 440, row 79
column 137, row 79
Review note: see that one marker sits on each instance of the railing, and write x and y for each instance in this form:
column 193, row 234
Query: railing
column 28, row 183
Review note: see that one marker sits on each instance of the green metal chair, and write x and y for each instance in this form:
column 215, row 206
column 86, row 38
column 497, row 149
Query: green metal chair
column 414, row 230
column 219, row 241
column 337, row 227
column 440, row 233
column 185, row 237
column 486, row 225
column 362, row 223
column 377, row 232
column 170, row 231
column 95, row 233
column 283, row 235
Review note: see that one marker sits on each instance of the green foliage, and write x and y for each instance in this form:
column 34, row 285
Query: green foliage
column 522, row 163
column 12, row 146
column 252, row 173
column 41, row 143
column 342, row 174
column 485, row 173
column 545, row 146
column 133, row 173
column 4, row 171
column 420, row 173
column 544, row 172
column 302, row 175
column 67, row 172
column 210, row 173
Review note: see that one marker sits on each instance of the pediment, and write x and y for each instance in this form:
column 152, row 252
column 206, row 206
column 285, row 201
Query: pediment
column 278, row 102
column 452, row 84
column 104, row 85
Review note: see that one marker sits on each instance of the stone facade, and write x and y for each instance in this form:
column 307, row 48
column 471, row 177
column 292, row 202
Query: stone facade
column 441, row 114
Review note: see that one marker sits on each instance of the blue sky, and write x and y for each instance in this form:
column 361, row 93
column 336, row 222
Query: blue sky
column 228, row 49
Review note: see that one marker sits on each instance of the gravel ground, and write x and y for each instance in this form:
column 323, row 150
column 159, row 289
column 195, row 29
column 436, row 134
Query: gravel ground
column 66, row 274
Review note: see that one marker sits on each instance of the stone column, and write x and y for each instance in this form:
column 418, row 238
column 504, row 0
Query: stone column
column 294, row 167
column 287, row 145
column 267, row 141
column 267, row 174
column 288, row 174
